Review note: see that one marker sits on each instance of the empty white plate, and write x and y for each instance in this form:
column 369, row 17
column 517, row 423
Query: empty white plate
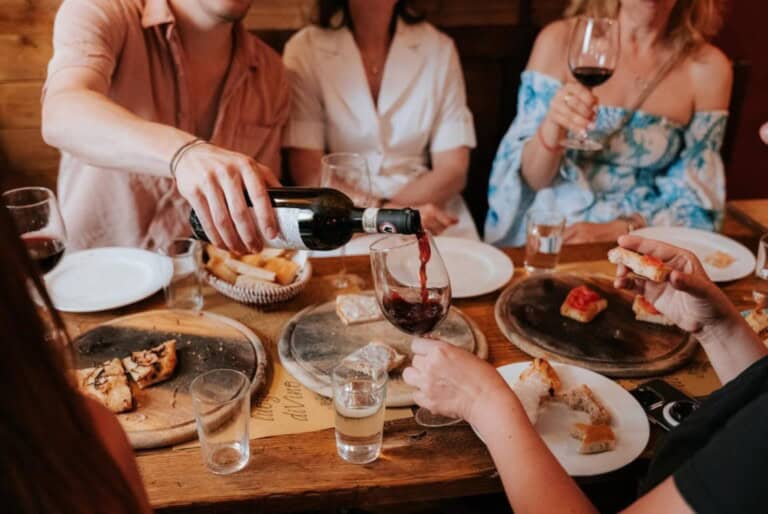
column 704, row 244
column 630, row 423
column 106, row 278
column 475, row 268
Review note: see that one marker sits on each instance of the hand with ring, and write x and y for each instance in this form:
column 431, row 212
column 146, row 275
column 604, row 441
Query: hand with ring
column 573, row 108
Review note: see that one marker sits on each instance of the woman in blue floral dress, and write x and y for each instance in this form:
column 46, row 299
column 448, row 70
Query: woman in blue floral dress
column 660, row 164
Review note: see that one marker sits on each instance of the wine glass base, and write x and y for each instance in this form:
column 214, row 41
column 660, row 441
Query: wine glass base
column 585, row 145
column 426, row 418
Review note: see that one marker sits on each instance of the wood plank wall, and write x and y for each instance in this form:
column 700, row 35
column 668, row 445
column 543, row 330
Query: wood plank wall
column 25, row 48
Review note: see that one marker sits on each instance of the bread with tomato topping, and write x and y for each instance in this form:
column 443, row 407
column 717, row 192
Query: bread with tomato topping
column 583, row 304
column 646, row 266
column 645, row 311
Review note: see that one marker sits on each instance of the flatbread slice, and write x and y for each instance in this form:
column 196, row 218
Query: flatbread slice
column 645, row 311
column 583, row 399
column 594, row 438
column 357, row 308
column 151, row 366
column 643, row 265
column 583, row 304
column 107, row 384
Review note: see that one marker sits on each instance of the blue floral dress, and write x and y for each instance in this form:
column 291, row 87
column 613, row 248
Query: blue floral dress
column 669, row 173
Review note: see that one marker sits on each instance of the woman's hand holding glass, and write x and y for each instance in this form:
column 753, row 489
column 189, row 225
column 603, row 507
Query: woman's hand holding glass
column 572, row 108
column 451, row 381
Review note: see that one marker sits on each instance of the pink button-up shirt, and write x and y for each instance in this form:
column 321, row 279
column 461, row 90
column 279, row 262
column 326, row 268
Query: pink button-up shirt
column 134, row 44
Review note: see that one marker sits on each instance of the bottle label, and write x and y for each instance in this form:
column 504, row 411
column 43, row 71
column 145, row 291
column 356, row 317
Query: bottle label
column 370, row 219
column 288, row 224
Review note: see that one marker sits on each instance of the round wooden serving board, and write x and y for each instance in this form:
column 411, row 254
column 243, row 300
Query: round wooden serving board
column 614, row 343
column 163, row 412
column 316, row 340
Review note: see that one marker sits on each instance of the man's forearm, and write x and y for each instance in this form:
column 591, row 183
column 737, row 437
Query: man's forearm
column 90, row 126
column 732, row 347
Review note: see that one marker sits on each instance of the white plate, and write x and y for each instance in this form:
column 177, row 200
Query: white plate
column 703, row 244
column 475, row 268
column 630, row 423
column 107, row 278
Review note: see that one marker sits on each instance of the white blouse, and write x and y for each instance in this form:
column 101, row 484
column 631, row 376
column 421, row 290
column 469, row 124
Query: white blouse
column 421, row 108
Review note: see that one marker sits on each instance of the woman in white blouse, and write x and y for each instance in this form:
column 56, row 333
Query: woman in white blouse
column 371, row 78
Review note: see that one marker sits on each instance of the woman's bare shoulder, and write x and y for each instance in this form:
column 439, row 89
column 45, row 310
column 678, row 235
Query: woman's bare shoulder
column 550, row 49
column 711, row 74
column 108, row 430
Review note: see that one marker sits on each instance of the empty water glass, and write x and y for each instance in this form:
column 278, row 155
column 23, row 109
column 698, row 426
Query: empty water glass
column 185, row 290
column 545, row 231
column 221, row 401
column 359, row 392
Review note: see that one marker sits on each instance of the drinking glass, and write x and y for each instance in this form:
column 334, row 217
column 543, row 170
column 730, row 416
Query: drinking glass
column 221, row 401
column 544, row 239
column 359, row 393
column 593, row 52
column 184, row 291
column 414, row 292
column 347, row 172
column 760, row 291
column 35, row 212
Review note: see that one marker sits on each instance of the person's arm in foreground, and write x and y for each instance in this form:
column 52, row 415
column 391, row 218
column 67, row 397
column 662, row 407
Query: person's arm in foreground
column 455, row 383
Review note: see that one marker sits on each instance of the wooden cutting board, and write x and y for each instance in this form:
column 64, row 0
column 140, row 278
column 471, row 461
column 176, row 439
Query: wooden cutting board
column 614, row 343
column 204, row 341
column 316, row 340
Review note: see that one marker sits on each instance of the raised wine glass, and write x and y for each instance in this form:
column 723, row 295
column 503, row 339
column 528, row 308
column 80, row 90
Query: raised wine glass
column 347, row 172
column 593, row 52
column 414, row 292
column 35, row 212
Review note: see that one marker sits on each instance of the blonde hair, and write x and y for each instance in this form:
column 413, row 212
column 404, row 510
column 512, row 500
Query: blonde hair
column 691, row 22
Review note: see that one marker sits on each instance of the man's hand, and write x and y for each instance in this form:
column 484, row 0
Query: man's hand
column 213, row 181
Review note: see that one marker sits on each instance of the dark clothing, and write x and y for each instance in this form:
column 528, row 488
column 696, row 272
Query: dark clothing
column 719, row 454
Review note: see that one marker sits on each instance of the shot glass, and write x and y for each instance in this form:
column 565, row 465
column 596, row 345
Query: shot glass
column 359, row 392
column 544, row 230
column 760, row 290
column 221, row 401
column 185, row 288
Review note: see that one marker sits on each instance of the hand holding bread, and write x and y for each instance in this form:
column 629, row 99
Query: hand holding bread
column 673, row 281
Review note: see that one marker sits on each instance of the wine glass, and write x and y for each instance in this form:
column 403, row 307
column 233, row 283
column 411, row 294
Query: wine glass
column 347, row 172
column 414, row 292
column 38, row 221
column 760, row 290
column 593, row 52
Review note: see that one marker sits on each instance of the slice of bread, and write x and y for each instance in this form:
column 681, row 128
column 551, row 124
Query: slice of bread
column 643, row 265
column 376, row 351
column 536, row 384
column 151, row 366
column 583, row 399
column 645, row 311
column 594, row 438
column 758, row 320
column 251, row 271
column 107, row 384
column 583, row 304
column 357, row 308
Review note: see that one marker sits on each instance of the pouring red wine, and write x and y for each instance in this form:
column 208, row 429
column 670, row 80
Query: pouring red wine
column 413, row 290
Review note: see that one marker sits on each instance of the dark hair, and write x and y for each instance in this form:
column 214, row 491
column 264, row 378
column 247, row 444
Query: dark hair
column 326, row 10
column 52, row 460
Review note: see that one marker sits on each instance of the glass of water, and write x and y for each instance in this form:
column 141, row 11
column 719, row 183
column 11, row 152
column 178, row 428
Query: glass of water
column 221, row 400
column 185, row 289
column 760, row 291
column 544, row 230
column 359, row 392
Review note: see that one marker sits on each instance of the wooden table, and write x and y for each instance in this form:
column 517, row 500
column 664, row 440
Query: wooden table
column 751, row 213
column 301, row 472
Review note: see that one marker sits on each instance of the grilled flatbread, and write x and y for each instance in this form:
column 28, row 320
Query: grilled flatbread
column 107, row 384
column 643, row 265
column 583, row 304
column 151, row 366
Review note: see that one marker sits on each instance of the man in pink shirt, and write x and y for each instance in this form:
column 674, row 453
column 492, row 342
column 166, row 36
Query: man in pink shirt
column 160, row 106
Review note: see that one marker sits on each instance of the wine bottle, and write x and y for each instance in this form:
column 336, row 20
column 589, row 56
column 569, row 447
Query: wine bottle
column 324, row 219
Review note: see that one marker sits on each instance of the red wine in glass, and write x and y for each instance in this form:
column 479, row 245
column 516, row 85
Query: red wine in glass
column 45, row 251
column 425, row 253
column 591, row 76
column 416, row 318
